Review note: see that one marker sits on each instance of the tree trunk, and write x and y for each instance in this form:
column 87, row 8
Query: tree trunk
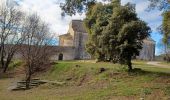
column 5, row 69
column 28, row 77
column 130, row 66
column 2, row 55
column 28, row 82
column 129, row 63
column 6, row 66
column 2, row 61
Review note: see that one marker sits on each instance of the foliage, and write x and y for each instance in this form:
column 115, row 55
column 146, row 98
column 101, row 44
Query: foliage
column 14, row 64
column 72, row 7
column 115, row 32
column 166, row 27
column 167, row 90
column 160, row 4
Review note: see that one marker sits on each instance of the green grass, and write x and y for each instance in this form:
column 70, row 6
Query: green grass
column 167, row 90
column 85, row 82
column 15, row 64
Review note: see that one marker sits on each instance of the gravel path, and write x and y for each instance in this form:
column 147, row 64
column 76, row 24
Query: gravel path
column 158, row 64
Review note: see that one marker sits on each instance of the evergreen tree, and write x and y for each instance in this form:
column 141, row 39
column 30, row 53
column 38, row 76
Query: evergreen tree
column 115, row 32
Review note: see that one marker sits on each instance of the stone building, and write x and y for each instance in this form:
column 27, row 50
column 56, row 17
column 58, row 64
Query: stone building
column 76, row 38
column 148, row 50
column 72, row 45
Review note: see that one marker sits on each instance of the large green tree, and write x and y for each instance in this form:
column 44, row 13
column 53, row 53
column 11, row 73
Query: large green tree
column 166, row 34
column 115, row 32
column 166, row 26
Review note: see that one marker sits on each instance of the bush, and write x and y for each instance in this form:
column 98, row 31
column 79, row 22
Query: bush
column 166, row 58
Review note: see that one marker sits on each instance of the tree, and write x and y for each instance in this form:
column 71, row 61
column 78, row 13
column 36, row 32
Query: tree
column 10, row 24
column 115, row 32
column 164, row 5
column 35, row 48
column 71, row 7
column 166, row 26
column 166, row 34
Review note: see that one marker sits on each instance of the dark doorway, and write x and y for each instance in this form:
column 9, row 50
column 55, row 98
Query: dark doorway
column 60, row 57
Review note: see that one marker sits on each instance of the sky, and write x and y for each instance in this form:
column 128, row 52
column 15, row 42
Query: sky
column 50, row 12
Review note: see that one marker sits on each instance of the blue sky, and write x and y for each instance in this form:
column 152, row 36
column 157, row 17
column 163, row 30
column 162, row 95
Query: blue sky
column 50, row 12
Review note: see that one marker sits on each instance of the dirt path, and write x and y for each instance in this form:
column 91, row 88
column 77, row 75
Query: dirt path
column 158, row 64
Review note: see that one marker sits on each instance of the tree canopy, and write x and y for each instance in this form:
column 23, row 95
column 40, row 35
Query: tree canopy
column 71, row 7
column 166, row 26
column 115, row 32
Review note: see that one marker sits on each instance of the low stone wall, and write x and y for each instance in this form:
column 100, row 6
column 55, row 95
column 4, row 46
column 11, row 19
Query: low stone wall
column 67, row 52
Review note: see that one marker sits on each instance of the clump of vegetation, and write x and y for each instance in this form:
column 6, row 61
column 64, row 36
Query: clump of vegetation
column 167, row 90
column 146, row 91
column 15, row 64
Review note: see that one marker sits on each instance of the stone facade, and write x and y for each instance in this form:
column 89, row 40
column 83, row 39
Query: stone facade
column 72, row 45
column 148, row 50
column 77, row 37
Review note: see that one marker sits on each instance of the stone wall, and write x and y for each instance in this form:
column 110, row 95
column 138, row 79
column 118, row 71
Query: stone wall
column 67, row 52
column 148, row 51
column 79, row 43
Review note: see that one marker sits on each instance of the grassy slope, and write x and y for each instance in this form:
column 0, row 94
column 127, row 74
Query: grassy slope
column 84, row 82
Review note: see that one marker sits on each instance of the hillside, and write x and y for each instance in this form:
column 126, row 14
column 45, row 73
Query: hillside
column 95, row 81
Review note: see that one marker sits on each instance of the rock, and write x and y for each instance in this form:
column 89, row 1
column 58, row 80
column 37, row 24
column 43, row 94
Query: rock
column 142, row 99
column 77, row 65
column 102, row 70
column 68, row 79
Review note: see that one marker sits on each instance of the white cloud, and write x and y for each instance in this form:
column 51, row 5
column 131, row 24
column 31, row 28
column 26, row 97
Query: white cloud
column 49, row 12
